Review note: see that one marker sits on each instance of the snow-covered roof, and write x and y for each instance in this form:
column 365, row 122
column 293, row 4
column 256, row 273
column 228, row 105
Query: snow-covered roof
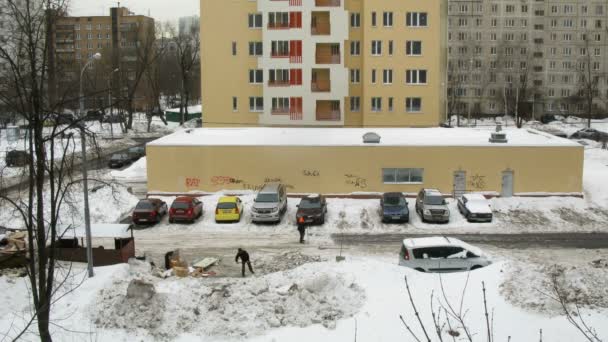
column 438, row 241
column 274, row 136
column 103, row 230
column 475, row 197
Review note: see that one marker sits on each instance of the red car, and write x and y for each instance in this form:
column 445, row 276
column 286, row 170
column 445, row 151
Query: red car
column 185, row 209
column 150, row 210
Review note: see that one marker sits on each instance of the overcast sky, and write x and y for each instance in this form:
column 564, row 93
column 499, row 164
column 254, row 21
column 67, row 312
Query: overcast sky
column 158, row 9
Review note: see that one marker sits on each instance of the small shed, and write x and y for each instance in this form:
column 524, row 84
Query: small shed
column 70, row 245
column 194, row 112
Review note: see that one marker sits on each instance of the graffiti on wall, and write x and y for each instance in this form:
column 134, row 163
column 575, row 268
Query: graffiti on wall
column 356, row 181
column 477, row 182
column 193, row 182
column 311, row 173
column 225, row 180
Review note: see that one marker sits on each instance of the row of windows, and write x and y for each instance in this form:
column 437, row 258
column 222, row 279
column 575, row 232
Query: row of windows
column 282, row 19
column 256, row 104
column 523, row 36
column 90, row 36
column 412, row 48
column 510, row 8
column 89, row 27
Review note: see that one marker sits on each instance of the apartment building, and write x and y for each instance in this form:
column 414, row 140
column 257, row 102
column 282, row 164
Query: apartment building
column 121, row 37
column 554, row 46
column 331, row 63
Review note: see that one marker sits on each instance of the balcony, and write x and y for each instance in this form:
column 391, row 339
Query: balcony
column 328, row 110
column 327, row 3
column 320, row 24
column 327, row 53
column 321, row 82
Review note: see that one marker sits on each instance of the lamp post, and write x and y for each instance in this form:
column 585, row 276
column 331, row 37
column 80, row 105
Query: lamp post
column 110, row 102
column 85, row 184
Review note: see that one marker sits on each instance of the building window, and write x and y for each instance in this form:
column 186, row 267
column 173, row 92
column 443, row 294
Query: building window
column 402, row 176
column 280, row 105
column 413, row 48
column 374, row 19
column 355, row 48
column 376, row 104
column 376, row 47
column 373, row 75
column 416, row 19
column 77, row 27
column 415, row 77
column 234, row 48
column 390, row 104
column 256, row 76
column 255, row 49
column 256, row 104
column 89, row 36
column 235, row 104
column 255, row 20
column 355, row 20
column 413, row 104
column 355, row 76
column 89, row 27
column 390, row 47
column 387, row 19
column 387, row 76
column 355, row 104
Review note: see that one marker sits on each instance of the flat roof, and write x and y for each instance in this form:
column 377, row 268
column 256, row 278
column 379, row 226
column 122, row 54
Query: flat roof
column 438, row 136
column 103, row 230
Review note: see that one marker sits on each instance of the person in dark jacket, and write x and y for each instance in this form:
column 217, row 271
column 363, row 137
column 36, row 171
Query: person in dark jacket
column 302, row 230
column 244, row 256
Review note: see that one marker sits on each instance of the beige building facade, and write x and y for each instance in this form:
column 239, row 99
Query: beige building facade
column 336, row 63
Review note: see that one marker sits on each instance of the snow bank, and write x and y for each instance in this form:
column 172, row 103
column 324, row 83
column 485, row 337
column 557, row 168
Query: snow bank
column 136, row 172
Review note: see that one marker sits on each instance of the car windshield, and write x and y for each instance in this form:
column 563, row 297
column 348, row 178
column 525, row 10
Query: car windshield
column 144, row 205
column 267, row 198
column 310, row 203
column 116, row 157
column 226, row 205
column 433, row 200
column 180, row 205
column 394, row 201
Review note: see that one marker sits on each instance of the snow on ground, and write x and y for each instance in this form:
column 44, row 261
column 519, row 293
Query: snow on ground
column 134, row 173
column 316, row 301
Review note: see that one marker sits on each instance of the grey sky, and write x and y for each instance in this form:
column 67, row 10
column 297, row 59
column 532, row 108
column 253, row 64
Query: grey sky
column 158, row 9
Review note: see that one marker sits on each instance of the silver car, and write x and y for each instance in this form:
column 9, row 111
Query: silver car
column 270, row 204
column 432, row 207
column 441, row 254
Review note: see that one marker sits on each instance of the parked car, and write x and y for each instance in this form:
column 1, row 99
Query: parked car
column 136, row 152
column 547, row 118
column 590, row 133
column 150, row 210
column 228, row 209
column 270, row 204
column 119, row 160
column 94, row 115
column 60, row 119
column 185, row 209
column 114, row 118
column 394, row 207
column 432, row 207
column 475, row 207
column 17, row 158
column 311, row 210
column 441, row 254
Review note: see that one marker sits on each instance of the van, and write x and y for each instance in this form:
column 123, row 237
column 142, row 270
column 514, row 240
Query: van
column 441, row 254
column 270, row 204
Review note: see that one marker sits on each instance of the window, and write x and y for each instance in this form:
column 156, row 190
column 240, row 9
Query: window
column 355, row 104
column 77, row 27
column 376, row 104
column 355, row 20
column 415, row 77
column 373, row 75
column 355, row 48
column 413, row 104
column 390, row 47
column 256, row 104
column 279, row 48
column 390, row 104
column 355, row 76
column 280, row 104
column 398, row 176
column 278, row 19
column 235, row 104
column 387, row 19
column 278, row 76
column 234, row 48
column 416, row 19
column 255, row 48
column 256, row 76
column 374, row 19
column 413, row 48
column 376, row 47
column 387, row 76
column 255, row 20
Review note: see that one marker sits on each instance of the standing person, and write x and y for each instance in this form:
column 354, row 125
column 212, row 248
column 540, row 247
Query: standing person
column 244, row 256
column 302, row 230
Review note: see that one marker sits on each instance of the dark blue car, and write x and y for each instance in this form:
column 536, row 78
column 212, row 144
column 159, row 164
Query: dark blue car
column 394, row 207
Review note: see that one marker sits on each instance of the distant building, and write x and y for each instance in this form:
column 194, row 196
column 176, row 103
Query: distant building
column 189, row 24
column 118, row 37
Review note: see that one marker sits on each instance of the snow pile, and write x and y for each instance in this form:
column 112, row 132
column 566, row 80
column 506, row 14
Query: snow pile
column 137, row 172
column 585, row 286
column 284, row 261
column 229, row 307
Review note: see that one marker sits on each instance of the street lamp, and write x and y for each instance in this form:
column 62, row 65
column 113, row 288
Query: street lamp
column 85, row 184
column 110, row 102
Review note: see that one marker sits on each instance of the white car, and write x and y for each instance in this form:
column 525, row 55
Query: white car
column 441, row 254
column 475, row 207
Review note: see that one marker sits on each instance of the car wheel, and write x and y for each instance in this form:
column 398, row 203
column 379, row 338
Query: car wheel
column 476, row 267
column 323, row 220
column 420, row 269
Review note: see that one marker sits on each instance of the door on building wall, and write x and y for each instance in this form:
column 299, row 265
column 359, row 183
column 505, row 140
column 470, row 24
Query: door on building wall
column 460, row 183
column 507, row 183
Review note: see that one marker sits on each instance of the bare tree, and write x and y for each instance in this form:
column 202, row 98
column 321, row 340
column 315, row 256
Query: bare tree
column 588, row 80
column 187, row 53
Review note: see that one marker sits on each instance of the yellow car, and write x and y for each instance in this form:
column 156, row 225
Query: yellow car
column 228, row 209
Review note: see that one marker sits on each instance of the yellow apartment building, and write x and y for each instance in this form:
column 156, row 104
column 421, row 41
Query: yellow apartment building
column 329, row 63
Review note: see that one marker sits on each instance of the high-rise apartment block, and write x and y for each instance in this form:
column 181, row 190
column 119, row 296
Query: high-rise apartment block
column 341, row 63
column 555, row 46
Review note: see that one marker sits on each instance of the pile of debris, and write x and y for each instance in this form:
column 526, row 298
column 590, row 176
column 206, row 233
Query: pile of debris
column 13, row 249
column 284, row 261
column 177, row 265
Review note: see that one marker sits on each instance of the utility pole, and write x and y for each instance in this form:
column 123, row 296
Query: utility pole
column 110, row 102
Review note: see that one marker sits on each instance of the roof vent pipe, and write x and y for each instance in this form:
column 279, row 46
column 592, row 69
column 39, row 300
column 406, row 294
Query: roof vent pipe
column 498, row 136
column 371, row 138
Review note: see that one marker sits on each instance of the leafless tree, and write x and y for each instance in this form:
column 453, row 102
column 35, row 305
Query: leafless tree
column 187, row 53
column 588, row 80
